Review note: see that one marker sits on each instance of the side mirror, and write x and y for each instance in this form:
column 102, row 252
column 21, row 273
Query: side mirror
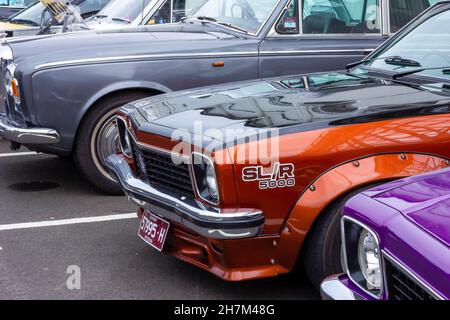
column 46, row 22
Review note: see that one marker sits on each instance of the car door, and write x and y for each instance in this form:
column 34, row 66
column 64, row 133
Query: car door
column 321, row 35
column 214, row 57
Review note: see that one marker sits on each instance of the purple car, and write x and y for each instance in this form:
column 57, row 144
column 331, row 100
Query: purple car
column 396, row 242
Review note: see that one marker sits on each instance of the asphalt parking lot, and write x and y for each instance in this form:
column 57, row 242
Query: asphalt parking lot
column 43, row 233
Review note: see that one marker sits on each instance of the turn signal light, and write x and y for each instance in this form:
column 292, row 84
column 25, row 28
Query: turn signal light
column 15, row 88
column 218, row 64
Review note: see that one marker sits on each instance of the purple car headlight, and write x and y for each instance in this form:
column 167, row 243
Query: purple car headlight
column 362, row 256
column 369, row 259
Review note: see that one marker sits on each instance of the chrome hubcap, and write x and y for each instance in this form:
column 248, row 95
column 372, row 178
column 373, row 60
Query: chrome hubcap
column 108, row 140
column 105, row 141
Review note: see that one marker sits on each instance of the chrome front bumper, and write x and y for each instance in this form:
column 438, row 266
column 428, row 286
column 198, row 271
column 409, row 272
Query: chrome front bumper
column 333, row 289
column 26, row 135
column 206, row 221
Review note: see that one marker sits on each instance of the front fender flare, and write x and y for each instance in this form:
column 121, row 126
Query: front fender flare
column 337, row 182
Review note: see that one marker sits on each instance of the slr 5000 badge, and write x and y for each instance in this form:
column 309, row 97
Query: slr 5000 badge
column 280, row 176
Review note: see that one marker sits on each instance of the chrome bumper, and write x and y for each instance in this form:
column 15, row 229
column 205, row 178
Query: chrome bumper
column 26, row 135
column 206, row 221
column 333, row 289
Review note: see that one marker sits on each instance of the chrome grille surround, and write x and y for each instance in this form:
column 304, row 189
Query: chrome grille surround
column 402, row 284
column 156, row 167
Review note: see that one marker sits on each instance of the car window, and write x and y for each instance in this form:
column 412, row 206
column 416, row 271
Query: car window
column 162, row 15
column 125, row 10
column 17, row 3
column 288, row 23
column 30, row 16
column 180, row 9
column 33, row 14
column 328, row 78
column 341, row 16
column 428, row 44
column 403, row 11
column 248, row 15
column 90, row 7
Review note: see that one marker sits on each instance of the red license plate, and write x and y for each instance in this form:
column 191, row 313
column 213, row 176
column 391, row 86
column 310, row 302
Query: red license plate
column 153, row 230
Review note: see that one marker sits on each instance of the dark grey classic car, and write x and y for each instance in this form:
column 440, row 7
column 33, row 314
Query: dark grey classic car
column 61, row 92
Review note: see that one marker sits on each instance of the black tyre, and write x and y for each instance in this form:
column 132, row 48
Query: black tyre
column 97, row 138
column 321, row 255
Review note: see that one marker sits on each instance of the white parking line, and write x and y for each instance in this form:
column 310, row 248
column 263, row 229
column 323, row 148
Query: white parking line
column 18, row 154
column 53, row 223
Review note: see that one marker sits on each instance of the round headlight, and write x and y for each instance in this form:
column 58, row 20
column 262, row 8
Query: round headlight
column 369, row 259
column 211, row 181
column 11, row 84
column 7, row 77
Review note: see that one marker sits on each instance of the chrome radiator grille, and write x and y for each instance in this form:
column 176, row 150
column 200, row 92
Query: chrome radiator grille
column 402, row 286
column 158, row 169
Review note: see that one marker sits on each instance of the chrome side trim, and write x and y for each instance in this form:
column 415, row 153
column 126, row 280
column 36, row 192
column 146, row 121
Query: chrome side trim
column 385, row 18
column 333, row 289
column 306, row 52
column 27, row 135
column 345, row 262
column 193, row 55
column 168, row 56
column 413, row 277
column 210, row 222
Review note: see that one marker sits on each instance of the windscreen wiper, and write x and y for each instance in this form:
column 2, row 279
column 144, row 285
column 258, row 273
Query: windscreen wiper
column 24, row 21
column 357, row 63
column 225, row 24
column 445, row 71
column 121, row 20
column 232, row 26
column 399, row 61
column 205, row 18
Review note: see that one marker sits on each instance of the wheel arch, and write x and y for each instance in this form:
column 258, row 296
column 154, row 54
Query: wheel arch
column 338, row 182
column 113, row 90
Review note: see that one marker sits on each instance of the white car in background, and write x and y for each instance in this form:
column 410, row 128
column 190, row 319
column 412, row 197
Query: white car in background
column 116, row 14
column 32, row 20
column 141, row 12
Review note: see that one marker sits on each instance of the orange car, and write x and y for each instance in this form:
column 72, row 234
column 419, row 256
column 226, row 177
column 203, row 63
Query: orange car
column 244, row 179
